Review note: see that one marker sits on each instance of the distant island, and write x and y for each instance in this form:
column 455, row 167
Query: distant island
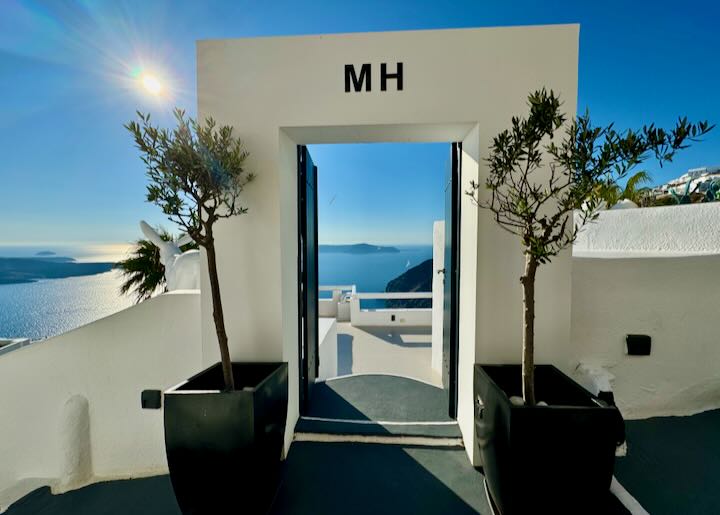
column 417, row 278
column 31, row 269
column 45, row 253
column 358, row 248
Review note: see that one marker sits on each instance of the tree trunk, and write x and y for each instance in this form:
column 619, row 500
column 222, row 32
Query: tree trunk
column 528, row 359
column 218, row 314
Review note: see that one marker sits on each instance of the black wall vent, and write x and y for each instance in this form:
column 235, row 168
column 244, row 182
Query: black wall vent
column 638, row 344
column 151, row 399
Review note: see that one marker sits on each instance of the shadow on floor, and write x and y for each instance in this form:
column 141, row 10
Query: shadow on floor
column 147, row 496
column 344, row 354
column 673, row 463
column 379, row 397
column 401, row 336
column 355, row 479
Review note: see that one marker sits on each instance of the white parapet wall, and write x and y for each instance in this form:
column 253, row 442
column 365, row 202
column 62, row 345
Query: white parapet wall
column 651, row 271
column 675, row 301
column 329, row 307
column 389, row 317
column 327, row 338
column 663, row 231
column 70, row 405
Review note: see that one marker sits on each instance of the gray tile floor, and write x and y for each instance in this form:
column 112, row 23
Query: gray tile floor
column 673, row 464
column 320, row 479
column 671, row 469
column 379, row 397
column 362, row 479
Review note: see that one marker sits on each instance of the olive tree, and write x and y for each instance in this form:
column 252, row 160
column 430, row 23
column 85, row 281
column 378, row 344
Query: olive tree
column 545, row 181
column 197, row 174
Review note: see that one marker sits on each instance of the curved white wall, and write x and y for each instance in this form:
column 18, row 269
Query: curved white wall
column 86, row 383
column 679, row 230
column 676, row 301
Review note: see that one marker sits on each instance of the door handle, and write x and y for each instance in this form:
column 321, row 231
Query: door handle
column 441, row 271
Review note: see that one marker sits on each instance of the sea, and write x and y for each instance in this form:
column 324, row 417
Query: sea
column 50, row 307
column 369, row 272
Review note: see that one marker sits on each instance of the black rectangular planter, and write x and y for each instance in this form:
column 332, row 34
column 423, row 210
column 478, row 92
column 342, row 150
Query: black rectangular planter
column 224, row 448
column 545, row 459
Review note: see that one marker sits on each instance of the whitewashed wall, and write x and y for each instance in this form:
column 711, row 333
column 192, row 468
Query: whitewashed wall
column 679, row 230
column 328, row 347
column 415, row 317
column 459, row 85
column 70, row 405
column 675, row 300
column 327, row 308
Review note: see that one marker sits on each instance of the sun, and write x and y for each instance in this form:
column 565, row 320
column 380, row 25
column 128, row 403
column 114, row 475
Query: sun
column 151, row 84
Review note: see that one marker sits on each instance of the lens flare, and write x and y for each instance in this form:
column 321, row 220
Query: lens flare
column 151, row 84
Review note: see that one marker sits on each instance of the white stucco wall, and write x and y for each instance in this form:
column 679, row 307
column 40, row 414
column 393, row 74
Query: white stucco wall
column 438, row 294
column 327, row 307
column 410, row 317
column 86, row 383
column 459, row 85
column 668, row 230
column 675, row 300
column 328, row 348
column 472, row 291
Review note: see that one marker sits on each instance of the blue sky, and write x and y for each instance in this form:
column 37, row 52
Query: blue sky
column 382, row 193
column 69, row 172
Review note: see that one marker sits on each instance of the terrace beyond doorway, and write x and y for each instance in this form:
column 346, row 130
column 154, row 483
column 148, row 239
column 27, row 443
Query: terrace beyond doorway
column 380, row 349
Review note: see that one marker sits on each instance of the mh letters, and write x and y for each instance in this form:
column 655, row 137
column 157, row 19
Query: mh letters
column 355, row 82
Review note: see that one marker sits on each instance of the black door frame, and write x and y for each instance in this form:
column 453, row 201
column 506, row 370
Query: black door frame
column 452, row 272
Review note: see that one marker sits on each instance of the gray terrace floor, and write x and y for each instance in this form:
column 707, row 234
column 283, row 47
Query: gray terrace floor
column 320, row 479
column 672, row 468
column 378, row 397
column 673, row 464
column 380, row 405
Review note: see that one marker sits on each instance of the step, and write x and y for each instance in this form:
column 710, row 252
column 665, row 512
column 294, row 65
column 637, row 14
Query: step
column 439, row 434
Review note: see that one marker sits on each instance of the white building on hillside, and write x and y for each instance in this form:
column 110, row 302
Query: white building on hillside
column 699, row 178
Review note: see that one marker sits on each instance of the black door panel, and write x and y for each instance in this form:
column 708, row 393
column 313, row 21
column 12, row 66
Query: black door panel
column 308, row 275
column 451, row 276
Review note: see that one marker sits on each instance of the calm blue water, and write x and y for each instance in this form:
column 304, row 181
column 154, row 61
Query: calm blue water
column 47, row 308
column 51, row 307
column 370, row 273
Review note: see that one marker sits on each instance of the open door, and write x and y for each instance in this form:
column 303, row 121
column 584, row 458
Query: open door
column 307, row 275
column 451, row 277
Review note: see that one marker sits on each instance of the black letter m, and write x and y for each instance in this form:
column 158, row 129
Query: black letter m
column 351, row 76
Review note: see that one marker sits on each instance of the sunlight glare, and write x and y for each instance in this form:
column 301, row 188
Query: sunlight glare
column 151, row 84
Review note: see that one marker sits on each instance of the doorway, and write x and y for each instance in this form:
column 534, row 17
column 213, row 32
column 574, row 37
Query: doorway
column 310, row 331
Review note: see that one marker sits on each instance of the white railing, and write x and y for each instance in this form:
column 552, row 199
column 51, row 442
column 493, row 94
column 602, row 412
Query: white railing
column 395, row 295
column 340, row 288
column 345, row 307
